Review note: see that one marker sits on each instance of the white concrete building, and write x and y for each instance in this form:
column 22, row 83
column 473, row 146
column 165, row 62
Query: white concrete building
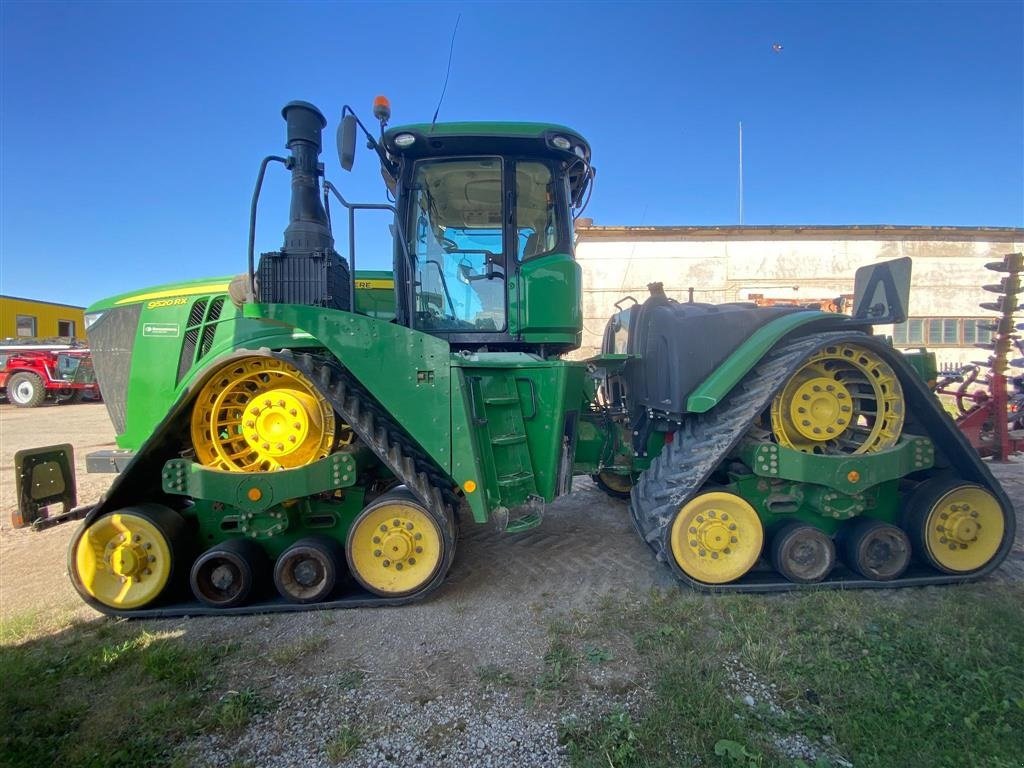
column 800, row 264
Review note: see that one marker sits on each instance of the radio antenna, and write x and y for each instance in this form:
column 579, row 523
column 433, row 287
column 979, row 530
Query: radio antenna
column 451, row 49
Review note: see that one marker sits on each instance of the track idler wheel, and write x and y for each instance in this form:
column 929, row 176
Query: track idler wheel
column 716, row 537
column 226, row 575
column 129, row 558
column 954, row 526
column 309, row 570
column 876, row 550
column 802, row 553
column 260, row 414
column 396, row 547
column 843, row 400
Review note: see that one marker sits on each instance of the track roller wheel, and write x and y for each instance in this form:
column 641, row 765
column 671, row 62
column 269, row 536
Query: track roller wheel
column 802, row 553
column 876, row 550
column 260, row 414
column 308, row 571
column 396, row 547
column 614, row 484
column 225, row 575
column 956, row 527
column 843, row 400
column 127, row 559
column 716, row 537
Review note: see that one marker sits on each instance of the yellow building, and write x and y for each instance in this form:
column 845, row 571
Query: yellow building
column 31, row 319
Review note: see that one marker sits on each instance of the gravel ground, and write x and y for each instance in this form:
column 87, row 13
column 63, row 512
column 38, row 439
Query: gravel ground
column 450, row 682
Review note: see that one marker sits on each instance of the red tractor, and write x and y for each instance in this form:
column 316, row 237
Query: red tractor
column 29, row 374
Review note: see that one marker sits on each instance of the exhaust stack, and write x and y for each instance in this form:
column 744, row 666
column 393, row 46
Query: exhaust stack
column 307, row 269
column 308, row 229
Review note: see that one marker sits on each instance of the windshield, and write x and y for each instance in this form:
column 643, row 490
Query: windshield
column 67, row 366
column 456, row 241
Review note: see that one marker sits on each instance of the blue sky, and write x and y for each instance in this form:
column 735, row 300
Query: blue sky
column 132, row 132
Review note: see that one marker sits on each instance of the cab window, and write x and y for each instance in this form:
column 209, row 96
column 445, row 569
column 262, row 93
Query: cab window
column 456, row 243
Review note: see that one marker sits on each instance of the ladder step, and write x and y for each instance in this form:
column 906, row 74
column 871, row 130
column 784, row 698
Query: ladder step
column 510, row 439
column 514, row 478
column 501, row 400
column 524, row 523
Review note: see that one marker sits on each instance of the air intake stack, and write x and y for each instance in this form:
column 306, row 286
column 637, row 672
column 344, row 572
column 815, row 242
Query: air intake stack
column 307, row 269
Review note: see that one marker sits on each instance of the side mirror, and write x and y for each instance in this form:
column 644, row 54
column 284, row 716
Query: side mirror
column 882, row 292
column 347, row 142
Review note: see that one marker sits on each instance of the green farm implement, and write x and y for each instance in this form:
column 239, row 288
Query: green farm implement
column 310, row 434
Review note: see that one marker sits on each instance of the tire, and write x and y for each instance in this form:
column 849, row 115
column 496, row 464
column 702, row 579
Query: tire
column 130, row 558
column 309, row 570
column 954, row 526
column 875, row 550
column 397, row 547
column 614, row 485
column 227, row 574
column 802, row 553
column 26, row 390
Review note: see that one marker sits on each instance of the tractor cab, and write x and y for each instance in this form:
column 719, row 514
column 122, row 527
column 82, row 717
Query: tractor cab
column 484, row 238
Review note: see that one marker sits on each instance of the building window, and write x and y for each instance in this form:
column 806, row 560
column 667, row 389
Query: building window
column 977, row 331
column 66, row 328
column 909, row 333
column 26, row 326
column 942, row 332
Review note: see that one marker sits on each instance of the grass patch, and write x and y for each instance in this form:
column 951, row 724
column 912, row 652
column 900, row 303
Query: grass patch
column 492, row 674
column 560, row 666
column 103, row 693
column 350, row 678
column 291, row 653
column 236, row 708
column 614, row 739
column 346, row 741
column 910, row 678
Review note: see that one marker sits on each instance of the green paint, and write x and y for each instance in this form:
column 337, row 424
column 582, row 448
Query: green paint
column 466, row 461
column 407, row 371
column 594, row 443
column 924, row 365
column 159, row 376
column 844, row 473
column 546, row 300
column 186, row 478
column 306, row 517
column 518, row 408
column 716, row 386
column 780, row 501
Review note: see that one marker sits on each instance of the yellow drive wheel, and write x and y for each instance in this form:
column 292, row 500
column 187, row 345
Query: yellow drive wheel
column 259, row 414
column 716, row 537
column 955, row 526
column 395, row 546
column 126, row 559
column 843, row 400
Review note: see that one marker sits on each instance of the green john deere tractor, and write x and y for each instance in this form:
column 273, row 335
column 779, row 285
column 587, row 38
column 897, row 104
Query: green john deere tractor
column 311, row 434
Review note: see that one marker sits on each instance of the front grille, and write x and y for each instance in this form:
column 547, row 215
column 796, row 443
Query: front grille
column 199, row 333
column 111, row 339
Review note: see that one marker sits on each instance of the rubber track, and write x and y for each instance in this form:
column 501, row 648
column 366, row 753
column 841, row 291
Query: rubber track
column 407, row 462
column 706, row 439
column 375, row 428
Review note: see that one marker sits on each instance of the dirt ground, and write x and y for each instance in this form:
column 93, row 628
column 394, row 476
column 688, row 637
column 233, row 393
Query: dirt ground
column 494, row 612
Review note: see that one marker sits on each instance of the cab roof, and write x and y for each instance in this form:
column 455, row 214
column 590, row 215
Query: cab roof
column 460, row 138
